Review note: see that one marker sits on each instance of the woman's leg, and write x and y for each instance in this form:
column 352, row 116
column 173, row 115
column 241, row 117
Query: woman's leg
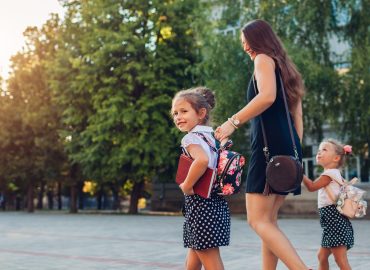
column 260, row 209
column 211, row 258
column 340, row 255
column 192, row 261
column 323, row 256
column 269, row 260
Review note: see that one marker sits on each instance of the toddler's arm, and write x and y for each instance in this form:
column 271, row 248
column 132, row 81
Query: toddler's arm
column 320, row 182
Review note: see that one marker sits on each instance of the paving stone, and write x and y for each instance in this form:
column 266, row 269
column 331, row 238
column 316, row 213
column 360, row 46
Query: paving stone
column 61, row 241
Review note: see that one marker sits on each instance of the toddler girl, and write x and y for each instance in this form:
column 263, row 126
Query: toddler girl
column 337, row 236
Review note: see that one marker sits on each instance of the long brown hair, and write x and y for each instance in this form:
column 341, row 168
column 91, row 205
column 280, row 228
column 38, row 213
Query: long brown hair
column 262, row 39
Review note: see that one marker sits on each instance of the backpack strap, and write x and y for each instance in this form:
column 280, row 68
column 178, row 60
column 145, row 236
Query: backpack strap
column 342, row 184
column 185, row 152
column 330, row 193
column 214, row 149
column 218, row 147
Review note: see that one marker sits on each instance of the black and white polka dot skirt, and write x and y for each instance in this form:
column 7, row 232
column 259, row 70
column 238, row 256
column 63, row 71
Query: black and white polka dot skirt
column 207, row 222
column 337, row 229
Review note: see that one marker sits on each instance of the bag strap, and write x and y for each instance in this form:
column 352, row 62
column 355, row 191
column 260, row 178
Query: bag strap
column 185, row 152
column 266, row 149
column 342, row 184
column 214, row 149
column 330, row 193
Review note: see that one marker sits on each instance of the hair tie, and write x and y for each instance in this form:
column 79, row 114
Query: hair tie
column 347, row 149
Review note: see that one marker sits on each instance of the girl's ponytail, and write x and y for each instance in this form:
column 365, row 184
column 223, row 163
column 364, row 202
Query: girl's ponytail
column 344, row 151
column 207, row 94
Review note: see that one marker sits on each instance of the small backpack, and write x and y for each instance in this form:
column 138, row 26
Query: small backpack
column 229, row 167
column 349, row 202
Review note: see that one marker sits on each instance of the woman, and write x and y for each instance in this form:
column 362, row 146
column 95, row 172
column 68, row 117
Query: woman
column 270, row 59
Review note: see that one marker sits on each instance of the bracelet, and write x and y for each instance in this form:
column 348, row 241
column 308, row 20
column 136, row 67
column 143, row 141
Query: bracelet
column 231, row 122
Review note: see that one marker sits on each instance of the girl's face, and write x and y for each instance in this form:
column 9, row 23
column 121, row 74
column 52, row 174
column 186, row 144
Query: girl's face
column 185, row 116
column 247, row 49
column 326, row 156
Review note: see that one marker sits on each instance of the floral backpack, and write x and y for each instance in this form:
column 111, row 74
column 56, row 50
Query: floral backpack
column 350, row 201
column 229, row 167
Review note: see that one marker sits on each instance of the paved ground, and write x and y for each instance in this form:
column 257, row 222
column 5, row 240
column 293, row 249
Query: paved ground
column 55, row 241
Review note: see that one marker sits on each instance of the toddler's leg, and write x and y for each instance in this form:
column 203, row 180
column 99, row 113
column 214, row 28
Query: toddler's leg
column 323, row 256
column 192, row 261
column 211, row 259
column 340, row 255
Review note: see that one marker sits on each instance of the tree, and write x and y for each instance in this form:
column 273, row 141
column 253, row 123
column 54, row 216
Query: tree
column 127, row 63
column 71, row 95
column 353, row 101
column 30, row 145
column 226, row 70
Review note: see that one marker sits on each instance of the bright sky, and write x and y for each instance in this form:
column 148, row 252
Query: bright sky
column 15, row 16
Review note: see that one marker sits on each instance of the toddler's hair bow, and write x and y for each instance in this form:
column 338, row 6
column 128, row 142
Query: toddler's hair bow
column 347, row 149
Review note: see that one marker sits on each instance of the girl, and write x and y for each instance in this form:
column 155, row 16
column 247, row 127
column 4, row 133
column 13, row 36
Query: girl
column 207, row 221
column 337, row 236
column 270, row 61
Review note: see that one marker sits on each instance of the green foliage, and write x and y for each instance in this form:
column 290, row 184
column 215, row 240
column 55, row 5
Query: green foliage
column 322, row 84
column 116, row 70
column 98, row 85
column 306, row 27
column 227, row 70
column 353, row 103
column 29, row 141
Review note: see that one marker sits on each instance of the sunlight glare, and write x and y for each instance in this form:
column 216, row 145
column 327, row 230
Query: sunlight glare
column 15, row 17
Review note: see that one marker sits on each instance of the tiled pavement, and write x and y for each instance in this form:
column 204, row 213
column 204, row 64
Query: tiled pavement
column 60, row 241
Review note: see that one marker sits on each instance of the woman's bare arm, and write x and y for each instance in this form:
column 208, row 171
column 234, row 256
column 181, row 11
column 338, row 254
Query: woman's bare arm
column 298, row 119
column 266, row 83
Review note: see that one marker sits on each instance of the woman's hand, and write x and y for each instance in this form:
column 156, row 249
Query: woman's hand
column 224, row 131
column 186, row 189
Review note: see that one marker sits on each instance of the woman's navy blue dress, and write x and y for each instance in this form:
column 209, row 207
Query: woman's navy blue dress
column 278, row 138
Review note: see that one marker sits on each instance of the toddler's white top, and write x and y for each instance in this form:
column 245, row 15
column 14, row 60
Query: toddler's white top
column 323, row 197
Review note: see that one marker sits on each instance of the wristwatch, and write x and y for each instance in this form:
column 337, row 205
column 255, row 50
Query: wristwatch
column 235, row 121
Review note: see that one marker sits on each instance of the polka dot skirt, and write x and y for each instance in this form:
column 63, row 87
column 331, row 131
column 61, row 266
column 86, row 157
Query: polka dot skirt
column 207, row 222
column 337, row 229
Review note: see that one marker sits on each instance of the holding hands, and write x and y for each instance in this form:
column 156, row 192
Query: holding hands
column 224, row 131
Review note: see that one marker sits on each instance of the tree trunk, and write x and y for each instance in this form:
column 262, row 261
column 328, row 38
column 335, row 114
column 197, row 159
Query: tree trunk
column 365, row 169
column 135, row 195
column 50, row 196
column 74, row 178
column 73, row 200
column 40, row 196
column 80, row 186
column 59, row 195
column 116, row 198
column 99, row 197
column 18, row 202
column 3, row 201
column 30, row 197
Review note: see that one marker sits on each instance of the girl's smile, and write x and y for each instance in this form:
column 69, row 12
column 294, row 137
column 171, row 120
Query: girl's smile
column 185, row 116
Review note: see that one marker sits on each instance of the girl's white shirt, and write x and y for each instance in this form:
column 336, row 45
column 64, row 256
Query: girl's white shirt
column 192, row 138
column 323, row 197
